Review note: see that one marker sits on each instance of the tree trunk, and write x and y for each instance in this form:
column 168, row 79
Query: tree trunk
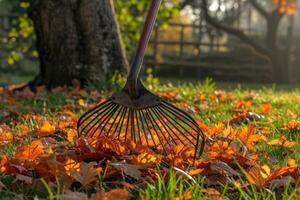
column 76, row 39
column 277, row 57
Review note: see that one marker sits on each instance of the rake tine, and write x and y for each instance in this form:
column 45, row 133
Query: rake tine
column 181, row 119
column 155, row 131
column 145, row 134
column 181, row 113
column 166, row 126
column 115, row 118
column 121, row 125
column 174, row 125
column 151, row 135
column 90, row 113
column 132, row 126
column 128, row 117
column 106, row 118
column 109, row 117
column 138, row 125
column 110, row 106
column 162, row 133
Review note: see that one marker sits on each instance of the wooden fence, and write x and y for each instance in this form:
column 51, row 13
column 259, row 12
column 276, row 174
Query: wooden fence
column 223, row 60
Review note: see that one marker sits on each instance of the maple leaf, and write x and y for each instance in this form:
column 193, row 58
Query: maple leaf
column 248, row 138
column 130, row 170
column 71, row 164
column 87, row 174
column 222, row 150
column 145, row 159
column 30, row 151
column 46, row 129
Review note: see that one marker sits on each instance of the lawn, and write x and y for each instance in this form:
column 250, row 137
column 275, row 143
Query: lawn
column 253, row 151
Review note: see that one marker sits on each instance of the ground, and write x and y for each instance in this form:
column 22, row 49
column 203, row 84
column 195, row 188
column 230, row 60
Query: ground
column 253, row 151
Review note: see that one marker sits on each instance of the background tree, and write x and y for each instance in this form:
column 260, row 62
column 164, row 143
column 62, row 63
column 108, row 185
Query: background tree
column 278, row 56
column 76, row 40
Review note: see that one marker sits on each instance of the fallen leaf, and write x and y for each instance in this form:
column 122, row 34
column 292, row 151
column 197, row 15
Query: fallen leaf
column 46, row 129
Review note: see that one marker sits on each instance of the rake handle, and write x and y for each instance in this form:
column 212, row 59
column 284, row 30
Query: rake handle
column 132, row 80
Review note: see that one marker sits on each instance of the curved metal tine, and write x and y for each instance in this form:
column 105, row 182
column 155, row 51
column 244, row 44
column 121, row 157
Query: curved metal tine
column 196, row 127
column 132, row 126
column 183, row 114
column 121, row 125
column 162, row 133
column 128, row 118
column 185, row 122
column 138, row 125
column 115, row 118
column 106, row 118
column 196, row 146
column 166, row 126
column 143, row 128
column 156, row 132
column 145, row 120
column 91, row 112
column 174, row 125
column 106, row 107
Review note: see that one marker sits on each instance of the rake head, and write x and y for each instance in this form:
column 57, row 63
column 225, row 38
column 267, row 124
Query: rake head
column 148, row 120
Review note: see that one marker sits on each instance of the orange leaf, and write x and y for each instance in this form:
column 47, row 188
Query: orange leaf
column 265, row 108
column 283, row 142
column 248, row 137
column 115, row 194
column 195, row 172
column 286, row 6
column 46, row 129
column 31, row 151
column 6, row 136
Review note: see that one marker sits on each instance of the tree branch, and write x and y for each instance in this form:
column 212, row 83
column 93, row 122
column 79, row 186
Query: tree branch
column 236, row 32
column 260, row 9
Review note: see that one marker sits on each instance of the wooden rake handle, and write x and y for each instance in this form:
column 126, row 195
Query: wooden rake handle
column 132, row 80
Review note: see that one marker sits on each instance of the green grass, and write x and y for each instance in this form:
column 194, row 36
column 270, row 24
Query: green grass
column 174, row 185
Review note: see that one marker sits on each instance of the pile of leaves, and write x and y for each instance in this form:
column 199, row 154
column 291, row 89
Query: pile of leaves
column 41, row 151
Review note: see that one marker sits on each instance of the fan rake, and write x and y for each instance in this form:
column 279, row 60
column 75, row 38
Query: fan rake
column 138, row 115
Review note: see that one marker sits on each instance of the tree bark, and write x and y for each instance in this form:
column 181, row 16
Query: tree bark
column 76, row 39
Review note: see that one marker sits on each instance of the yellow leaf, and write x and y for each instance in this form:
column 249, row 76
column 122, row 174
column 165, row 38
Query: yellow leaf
column 46, row 129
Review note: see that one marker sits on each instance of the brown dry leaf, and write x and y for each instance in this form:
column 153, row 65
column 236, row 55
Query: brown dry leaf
column 31, row 151
column 130, row 170
column 69, row 195
column 46, row 129
column 87, row 174
column 27, row 179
